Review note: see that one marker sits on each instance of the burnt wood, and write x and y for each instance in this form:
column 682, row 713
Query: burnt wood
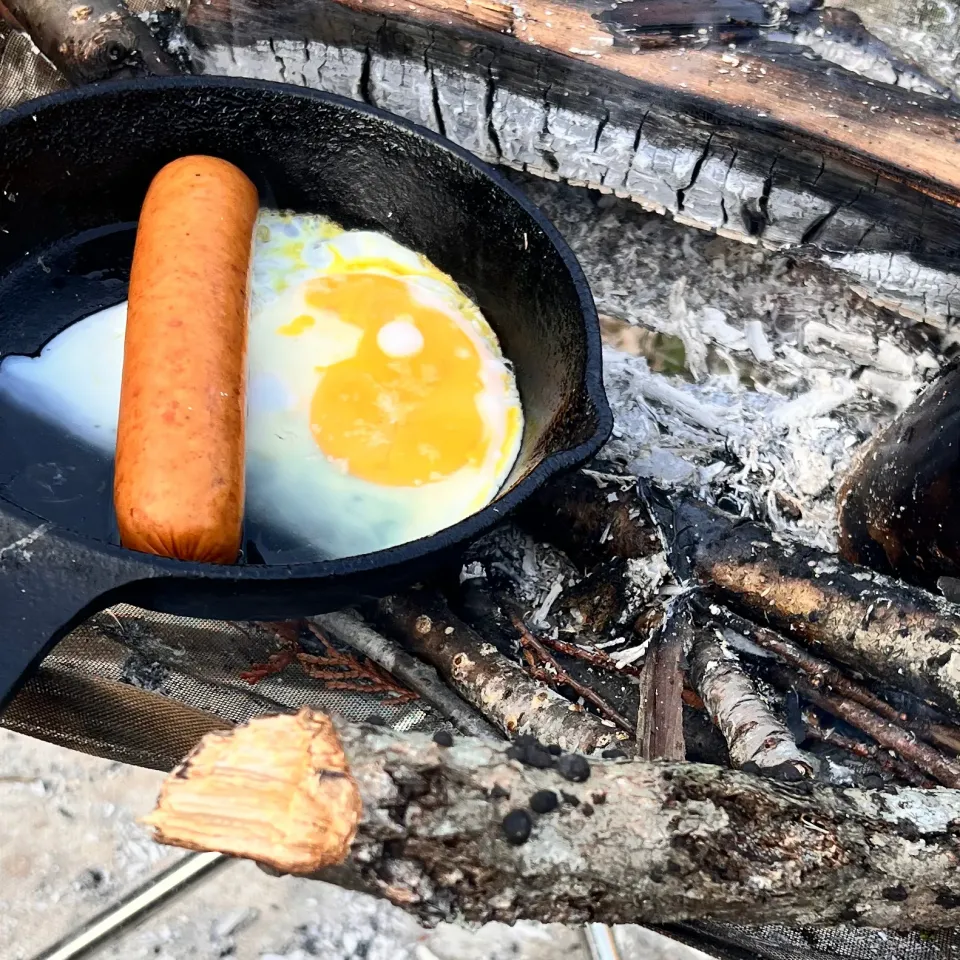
column 766, row 143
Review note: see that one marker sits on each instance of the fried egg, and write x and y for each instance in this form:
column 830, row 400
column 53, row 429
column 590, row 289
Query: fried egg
column 380, row 408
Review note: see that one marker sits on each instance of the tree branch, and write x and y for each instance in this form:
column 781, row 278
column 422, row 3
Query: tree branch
column 756, row 738
column 350, row 629
column 871, row 623
column 828, row 677
column 497, row 687
column 887, row 733
column 646, row 843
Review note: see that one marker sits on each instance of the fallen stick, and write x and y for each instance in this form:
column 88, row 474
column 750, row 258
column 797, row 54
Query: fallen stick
column 592, row 655
column 874, row 624
column 821, row 674
column 886, row 732
column 757, row 740
column 824, row 675
column 645, row 843
column 660, row 734
column 349, row 628
column 485, row 678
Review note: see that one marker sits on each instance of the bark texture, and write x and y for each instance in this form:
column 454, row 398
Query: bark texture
column 647, row 843
column 90, row 40
column 593, row 518
column 869, row 622
column 763, row 144
column 757, row 740
column 484, row 677
column 660, row 734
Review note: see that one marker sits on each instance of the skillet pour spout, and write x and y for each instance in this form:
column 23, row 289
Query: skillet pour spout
column 75, row 167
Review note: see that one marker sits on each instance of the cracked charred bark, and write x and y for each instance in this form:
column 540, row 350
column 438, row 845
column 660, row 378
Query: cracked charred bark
column 643, row 842
column 771, row 147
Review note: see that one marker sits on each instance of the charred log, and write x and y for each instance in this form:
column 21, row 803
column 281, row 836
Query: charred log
column 872, row 623
column 762, row 144
column 896, row 504
column 90, row 40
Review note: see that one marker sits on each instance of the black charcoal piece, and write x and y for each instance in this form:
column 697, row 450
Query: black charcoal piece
column 538, row 758
column 517, row 826
column 543, row 801
column 572, row 766
column 443, row 738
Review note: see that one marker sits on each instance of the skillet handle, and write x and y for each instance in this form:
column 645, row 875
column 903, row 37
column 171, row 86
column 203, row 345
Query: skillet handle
column 48, row 585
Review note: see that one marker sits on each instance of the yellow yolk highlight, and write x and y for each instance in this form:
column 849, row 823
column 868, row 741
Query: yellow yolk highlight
column 297, row 325
column 397, row 420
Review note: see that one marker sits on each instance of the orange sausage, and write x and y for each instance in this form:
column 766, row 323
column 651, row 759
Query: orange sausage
column 178, row 485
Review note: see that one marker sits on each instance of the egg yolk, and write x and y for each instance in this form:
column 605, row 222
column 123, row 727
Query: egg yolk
column 403, row 410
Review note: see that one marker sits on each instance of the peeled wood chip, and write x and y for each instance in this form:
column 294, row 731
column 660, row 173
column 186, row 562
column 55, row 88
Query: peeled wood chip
column 277, row 790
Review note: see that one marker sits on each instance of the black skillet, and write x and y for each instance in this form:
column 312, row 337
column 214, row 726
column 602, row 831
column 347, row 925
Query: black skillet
column 74, row 168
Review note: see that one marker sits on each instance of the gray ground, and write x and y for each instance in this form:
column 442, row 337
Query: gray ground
column 70, row 845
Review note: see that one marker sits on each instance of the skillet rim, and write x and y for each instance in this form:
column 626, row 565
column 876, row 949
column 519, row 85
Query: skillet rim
column 458, row 534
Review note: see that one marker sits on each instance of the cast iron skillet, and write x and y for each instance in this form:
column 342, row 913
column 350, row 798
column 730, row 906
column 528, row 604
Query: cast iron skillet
column 74, row 168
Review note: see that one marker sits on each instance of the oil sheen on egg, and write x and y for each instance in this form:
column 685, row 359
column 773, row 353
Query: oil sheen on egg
column 379, row 408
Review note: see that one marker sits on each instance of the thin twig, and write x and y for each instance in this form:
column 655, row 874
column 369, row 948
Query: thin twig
column 556, row 676
column 825, row 675
column 944, row 735
column 821, row 674
column 901, row 769
column 887, row 733
column 287, row 633
column 341, row 671
column 335, row 670
column 349, row 628
column 596, row 658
